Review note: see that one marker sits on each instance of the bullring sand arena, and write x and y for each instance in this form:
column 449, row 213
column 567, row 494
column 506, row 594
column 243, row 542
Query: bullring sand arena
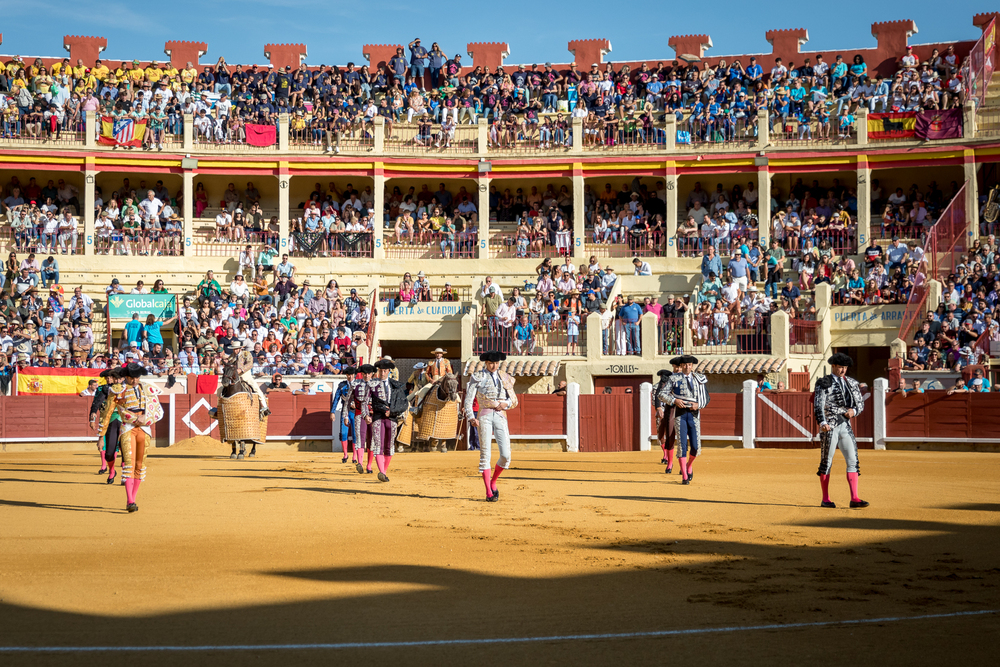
column 587, row 559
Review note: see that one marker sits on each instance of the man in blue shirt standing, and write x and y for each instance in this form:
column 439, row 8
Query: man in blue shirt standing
column 710, row 263
column 133, row 331
column 629, row 314
column 418, row 61
column 739, row 269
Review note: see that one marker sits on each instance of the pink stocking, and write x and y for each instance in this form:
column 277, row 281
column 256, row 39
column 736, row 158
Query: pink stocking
column 497, row 471
column 386, row 460
column 135, row 488
column 852, row 481
column 111, row 468
column 130, row 490
column 670, row 457
column 380, row 462
column 343, row 447
column 104, row 464
column 690, row 465
column 824, row 482
column 488, row 482
column 370, row 455
column 682, row 460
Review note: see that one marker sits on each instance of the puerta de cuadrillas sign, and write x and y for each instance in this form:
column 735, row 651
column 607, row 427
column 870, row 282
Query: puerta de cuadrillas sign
column 121, row 306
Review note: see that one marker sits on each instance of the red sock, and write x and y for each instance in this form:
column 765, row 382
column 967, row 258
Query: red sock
column 385, row 462
column 824, row 482
column 852, row 481
column 380, row 462
column 670, row 457
column 682, row 460
column 111, row 468
column 690, row 466
column 497, row 471
column 488, row 482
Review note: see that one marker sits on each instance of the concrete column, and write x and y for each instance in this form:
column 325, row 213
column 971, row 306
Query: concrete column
column 595, row 340
column 780, row 330
column 749, row 413
column 572, row 417
column 188, row 212
column 879, row 396
column 861, row 126
column 188, row 134
column 864, row 202
column 897, row 349
column 577, row 135
column 971, row 193
column 469, row 335
column 645, row 416
column 89, row 197
column 378, row 141
column 283, row 132
column 378, row 227
column 90, row 129
column 284, row 181
column 969, row 116
column 824, row 300
column 482, row 136
column 764, row 206
column 763, row 129
column 670, row 128
column 670, row 182
column 648, row 335
column 688, row 335
column 935, row 293
column 483, row 183
column 579, row 216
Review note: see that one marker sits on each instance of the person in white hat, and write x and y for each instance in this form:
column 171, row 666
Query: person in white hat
column 240, row 367
column 418, row 378
column 438, row 367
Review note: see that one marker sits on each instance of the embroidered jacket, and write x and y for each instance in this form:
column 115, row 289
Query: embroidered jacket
column 829, row 402
column 489, row 395
column 678, row 387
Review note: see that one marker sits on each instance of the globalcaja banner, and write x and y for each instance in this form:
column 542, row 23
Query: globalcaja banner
column 122, row 306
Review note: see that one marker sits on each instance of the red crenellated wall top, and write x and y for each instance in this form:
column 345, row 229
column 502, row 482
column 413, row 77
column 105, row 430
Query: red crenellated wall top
column 489, row 55
column 588, row 51
column 182, row 53
column 282, row 55
column 84, row 48
column 378, row 54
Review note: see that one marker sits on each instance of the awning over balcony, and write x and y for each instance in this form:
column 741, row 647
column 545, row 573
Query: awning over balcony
column 740, row 365
column 517, row 367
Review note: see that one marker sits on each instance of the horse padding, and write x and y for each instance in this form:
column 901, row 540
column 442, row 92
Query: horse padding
column 239, row 419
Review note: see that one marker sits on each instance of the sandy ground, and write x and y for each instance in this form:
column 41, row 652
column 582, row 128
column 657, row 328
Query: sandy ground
column 297, row 548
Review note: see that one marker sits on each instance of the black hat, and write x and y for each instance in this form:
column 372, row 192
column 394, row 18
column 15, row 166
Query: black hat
column 841, row 359
column 664, row 373
column 384, row 364
column 687, row 359
column 113, row 372
column 676, row 361
column 366, row 368
column 492, row 356
column 133, row 370
column 349, row 370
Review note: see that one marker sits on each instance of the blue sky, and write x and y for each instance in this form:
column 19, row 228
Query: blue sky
column 535, row 31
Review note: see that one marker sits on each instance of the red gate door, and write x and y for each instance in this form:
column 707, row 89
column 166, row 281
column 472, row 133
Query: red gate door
column 786, row 420
column 608, row 422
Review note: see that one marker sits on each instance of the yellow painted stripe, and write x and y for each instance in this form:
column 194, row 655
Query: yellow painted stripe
column 367, row 166
column 536, row 167
column 849, row 160
column 715, row 163
column 429, row 167
column 138, row 163
column 215, row 164
column 621, row 166
column 922, row 155
column 988, row 151
column 40, row 158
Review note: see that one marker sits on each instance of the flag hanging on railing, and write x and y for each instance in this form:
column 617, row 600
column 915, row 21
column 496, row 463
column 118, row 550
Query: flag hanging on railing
column 40, row 381
column 945, row 124
column 261, row 135
column 122, row 131
column 892, row 125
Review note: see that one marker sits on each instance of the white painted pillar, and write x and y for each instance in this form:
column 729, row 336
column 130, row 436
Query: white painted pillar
column 90, row 129
column 645, row 416
column 188, row 135
column 172, row 424
column 284, row 181
column 749, row 413
column 87, row 214
column 378, row 233
column 188, row 210
column 573, row 417
column 878, row 405
column 579, row 217
column 378, row 136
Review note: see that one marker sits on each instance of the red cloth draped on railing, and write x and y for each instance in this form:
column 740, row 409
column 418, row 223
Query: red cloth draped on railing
column 261, row 135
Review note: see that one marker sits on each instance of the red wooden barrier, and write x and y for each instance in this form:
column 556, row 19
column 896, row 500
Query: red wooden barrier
column 723, row 416
column 291, row 416
column 538, row 414
column 787, row 420
column 936, row 415
column 607, row 423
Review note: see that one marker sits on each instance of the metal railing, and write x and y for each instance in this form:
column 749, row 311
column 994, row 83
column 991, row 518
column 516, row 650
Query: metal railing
column 671, row 335
column 433, row 245
column 726, row 333
column 803, row 336
column 555, row 337
column 517, row 245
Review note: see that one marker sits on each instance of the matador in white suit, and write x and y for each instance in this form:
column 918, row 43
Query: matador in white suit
column 495, row 391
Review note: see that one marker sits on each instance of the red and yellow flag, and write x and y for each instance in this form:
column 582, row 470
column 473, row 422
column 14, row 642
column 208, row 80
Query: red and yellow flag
column 33, row 381
column 122, row 131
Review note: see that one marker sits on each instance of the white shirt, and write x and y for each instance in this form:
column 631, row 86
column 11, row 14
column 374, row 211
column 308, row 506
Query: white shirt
column 643, row 269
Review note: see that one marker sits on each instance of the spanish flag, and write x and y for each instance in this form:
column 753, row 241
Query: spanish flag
column 892, row 125
column 122, row 131
column 33, row 381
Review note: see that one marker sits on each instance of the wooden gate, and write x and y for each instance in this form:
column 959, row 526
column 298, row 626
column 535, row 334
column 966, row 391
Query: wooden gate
column 609, row 422
column 786, row 420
